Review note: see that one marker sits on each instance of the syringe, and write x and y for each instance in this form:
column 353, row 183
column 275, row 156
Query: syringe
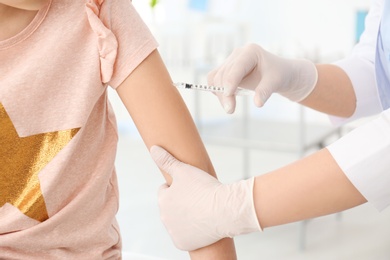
column 239, row 91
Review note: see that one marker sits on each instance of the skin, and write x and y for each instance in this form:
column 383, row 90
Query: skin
column 15, row 15
column 333, row 94
column 313, row 186
column 31, row 5
column 154, row 104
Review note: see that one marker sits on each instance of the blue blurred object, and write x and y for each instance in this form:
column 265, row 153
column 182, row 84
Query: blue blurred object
column 360, row 17
column 198, row 5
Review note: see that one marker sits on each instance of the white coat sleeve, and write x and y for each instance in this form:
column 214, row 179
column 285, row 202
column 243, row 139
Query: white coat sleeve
column 364, row 153
column 364, row 156
column 360, row 67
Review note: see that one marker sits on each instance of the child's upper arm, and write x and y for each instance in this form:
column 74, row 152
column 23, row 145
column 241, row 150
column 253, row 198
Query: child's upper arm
column 160, row 114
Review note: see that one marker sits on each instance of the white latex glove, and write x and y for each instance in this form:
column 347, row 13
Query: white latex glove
column 252, row 67
column 198, row 210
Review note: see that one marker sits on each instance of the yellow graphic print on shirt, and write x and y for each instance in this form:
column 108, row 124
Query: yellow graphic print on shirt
column 21, row 160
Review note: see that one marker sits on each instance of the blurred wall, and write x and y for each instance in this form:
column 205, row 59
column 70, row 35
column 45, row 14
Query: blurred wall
column 323, row 29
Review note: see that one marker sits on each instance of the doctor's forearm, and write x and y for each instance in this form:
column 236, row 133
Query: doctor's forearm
column 311, row 187
column 333, row 94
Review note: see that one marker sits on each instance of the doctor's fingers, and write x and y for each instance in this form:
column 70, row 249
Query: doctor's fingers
column 229, row 76
column 228, row 102
column 264, row 90
column 165, row 161
column 161, row 192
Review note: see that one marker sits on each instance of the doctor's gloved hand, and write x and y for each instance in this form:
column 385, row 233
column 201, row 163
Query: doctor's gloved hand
column 198, row 210
column 252, row 67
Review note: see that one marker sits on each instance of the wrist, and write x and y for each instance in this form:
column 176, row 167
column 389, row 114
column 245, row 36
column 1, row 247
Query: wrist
column 303, row 79
column 243, row 218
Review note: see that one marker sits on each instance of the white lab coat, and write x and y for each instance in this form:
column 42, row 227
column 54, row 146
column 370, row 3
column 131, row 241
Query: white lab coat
column 364, row 153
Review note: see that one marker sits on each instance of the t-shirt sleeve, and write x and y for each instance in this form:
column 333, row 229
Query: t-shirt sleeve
column 364, row 157
column 124, row 40
column 360, row 67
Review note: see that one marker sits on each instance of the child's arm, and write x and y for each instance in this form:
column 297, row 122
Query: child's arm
column 163, row 119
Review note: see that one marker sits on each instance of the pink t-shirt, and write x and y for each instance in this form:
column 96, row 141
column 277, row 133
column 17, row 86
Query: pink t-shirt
column 58, row 136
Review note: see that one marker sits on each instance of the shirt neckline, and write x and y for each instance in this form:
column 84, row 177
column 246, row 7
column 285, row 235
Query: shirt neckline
column 28, row 30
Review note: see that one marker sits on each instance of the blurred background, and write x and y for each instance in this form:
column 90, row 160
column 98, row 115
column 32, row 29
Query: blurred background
column 195, row 36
